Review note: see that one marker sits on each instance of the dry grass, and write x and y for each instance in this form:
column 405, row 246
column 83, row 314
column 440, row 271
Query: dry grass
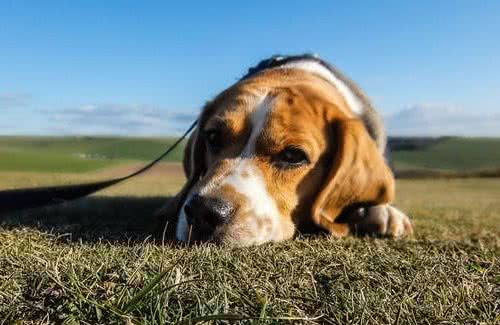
column 448, row 273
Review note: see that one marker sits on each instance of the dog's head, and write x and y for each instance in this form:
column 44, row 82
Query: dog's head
column 278, row 151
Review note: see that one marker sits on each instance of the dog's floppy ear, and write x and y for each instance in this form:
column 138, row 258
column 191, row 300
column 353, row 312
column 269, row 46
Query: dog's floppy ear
column 194, row 167
column 358, row 175
column 194, row 156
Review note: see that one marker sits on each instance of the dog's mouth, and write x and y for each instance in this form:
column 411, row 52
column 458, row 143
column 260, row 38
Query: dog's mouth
column 214, row 221
column 202, row 234
column 196, row 235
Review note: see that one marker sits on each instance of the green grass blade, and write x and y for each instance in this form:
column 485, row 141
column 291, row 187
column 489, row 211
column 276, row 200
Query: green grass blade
column 144, row 291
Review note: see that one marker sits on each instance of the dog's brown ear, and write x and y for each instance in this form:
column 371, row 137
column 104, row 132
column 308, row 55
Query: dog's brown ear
column 358, row 175
column 194, row 156
column 194, row 167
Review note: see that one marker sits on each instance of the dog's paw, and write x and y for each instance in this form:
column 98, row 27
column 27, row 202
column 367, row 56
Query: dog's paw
column 398, row 223
column 382, row 220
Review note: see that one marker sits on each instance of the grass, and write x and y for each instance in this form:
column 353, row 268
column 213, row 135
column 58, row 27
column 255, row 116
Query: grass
column 91, row 262
column 452, row 154
column 84, row 154
column 78, row 154
column 44, row 162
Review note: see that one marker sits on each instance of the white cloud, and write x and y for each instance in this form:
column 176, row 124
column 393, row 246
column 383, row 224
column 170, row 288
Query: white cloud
column 128, row 119
column 119, row 119
column 442, row 119
column 13, row 100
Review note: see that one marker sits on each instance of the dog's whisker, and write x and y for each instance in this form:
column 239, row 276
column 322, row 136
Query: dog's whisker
column 163, row 235
column 189, row 234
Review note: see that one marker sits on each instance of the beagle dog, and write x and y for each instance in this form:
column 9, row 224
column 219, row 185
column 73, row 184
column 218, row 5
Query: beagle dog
column 293, row 146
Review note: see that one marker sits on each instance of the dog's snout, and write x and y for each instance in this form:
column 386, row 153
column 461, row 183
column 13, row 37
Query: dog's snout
column 207, row 212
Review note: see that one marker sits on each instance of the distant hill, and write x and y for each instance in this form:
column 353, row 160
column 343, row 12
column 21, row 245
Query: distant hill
column 410, row 156
column 78, row 154
column 446, row 153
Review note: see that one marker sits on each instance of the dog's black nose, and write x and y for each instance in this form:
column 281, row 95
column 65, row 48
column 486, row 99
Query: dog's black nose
column 204, row 212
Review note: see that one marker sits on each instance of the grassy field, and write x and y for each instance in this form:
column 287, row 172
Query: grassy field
column 83, row 154
column 78, row 154
column 92, row 262
column 452, row 154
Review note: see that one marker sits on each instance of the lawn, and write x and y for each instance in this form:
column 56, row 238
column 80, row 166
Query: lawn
column 84, row 154
column 92, row 262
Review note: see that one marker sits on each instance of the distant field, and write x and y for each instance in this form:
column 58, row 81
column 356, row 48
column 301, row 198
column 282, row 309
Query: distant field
column 83, row 154
column 452, row 154
column 78, row 154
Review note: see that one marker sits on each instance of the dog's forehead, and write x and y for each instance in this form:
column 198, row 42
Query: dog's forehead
column 231, row 108
column 283, row 96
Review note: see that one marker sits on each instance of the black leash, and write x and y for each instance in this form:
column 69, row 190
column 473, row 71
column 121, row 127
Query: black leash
column 24, row 198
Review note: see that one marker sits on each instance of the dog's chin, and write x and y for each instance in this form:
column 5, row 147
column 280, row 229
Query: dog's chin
column 240, row 236
column 234, row 236
column 220, row 237
column 225, row 236
column 255, row 230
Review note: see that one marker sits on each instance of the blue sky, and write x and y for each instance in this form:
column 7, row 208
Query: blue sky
column 145, row 67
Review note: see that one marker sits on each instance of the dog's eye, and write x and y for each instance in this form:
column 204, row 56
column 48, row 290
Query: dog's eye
column 291, row 157
column 214, row 139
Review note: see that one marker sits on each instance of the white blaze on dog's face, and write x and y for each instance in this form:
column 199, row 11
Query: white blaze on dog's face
column 265, row 147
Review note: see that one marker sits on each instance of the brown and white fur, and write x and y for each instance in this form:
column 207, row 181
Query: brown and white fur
column 247, row 180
